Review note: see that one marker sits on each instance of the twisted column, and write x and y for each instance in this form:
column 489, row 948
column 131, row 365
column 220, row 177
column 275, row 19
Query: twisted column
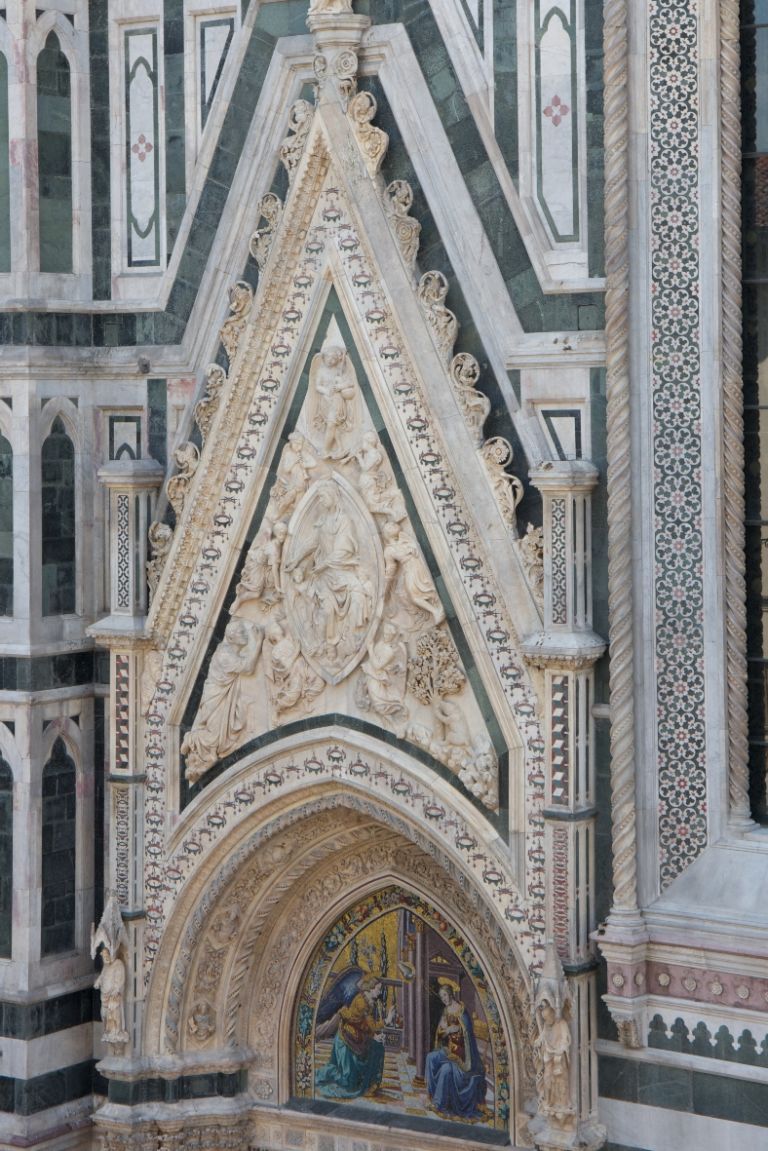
column 620, row 566
column 733, row 421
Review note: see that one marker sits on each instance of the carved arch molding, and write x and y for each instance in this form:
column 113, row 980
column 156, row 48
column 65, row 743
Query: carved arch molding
column 229, row 975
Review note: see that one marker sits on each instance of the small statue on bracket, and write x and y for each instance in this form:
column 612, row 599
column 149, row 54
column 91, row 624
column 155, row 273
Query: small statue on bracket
column 111, row 939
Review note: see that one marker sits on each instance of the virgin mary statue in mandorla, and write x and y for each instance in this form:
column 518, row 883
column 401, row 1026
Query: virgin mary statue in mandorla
column 455, row 1072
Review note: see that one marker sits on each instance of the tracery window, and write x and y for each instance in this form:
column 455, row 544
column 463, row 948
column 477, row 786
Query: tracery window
column 54, row 149
column 755, row 186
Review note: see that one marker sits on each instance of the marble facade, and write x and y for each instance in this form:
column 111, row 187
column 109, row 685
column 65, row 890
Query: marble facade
column 373, row 710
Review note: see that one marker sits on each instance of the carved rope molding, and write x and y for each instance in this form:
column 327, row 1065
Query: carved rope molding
column 733, row 420
column 619, row 485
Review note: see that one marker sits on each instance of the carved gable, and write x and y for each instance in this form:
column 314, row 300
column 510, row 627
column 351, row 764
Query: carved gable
column 335, row 610
column 345, row 594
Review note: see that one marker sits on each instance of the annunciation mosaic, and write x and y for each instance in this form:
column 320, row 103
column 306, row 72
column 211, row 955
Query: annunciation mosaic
column 396, row 1015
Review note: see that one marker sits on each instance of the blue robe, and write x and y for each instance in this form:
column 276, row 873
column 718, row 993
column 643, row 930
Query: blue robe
column 356, row 1065
column 455, row 1071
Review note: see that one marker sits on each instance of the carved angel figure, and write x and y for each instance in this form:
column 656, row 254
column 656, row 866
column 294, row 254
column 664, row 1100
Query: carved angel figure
column 111, row 938
column 385, row 674
column 296, row 462
column 220, row 722
column 334, row 402
column 291, row 679
column 261, row 572
column 381, row 495
column 402, row 557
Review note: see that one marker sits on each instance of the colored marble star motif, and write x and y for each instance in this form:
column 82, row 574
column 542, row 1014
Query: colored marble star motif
column 556, row 110
column 142, row 147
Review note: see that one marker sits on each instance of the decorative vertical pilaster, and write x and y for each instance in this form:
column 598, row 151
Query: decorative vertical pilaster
column 132, row 487
column 566, row 652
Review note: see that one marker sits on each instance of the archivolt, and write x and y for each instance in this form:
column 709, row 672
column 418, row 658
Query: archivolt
column 235, row 951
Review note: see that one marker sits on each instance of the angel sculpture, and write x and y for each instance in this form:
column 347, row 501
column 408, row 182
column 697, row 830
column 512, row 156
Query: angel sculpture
column 334, row 397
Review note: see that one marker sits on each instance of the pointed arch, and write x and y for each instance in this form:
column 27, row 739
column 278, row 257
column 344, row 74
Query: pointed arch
column 59, row 862
column 69, row 192
column 58, row 463
column 235, row 953
column 54, row 157
column 6, row 859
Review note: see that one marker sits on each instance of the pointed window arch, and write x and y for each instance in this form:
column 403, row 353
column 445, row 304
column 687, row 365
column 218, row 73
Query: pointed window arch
column 6, row 858
column 54, row 147
column 58, row 842
column 58, row 521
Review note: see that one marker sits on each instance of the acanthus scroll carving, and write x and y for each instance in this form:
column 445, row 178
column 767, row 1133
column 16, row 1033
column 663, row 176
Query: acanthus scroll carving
column 405, row 228
column 187, row 457
column 465, row 373
column 160, row 540
column 532, row 553
column 206, row 408
column 373, row 142
column 508, row 490
column 432, row 291
column 299, row 124
column 271, row 210
column 240, row 304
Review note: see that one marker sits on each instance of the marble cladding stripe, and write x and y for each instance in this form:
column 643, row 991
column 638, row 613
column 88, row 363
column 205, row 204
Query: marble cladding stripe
column 681, row 1089
column 45, row 672
column 32, row 1020
column 175, row 146
column 216, row 1084
column 28, row 1096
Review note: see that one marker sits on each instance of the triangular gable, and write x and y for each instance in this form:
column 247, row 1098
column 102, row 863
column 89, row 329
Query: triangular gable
column 339, row 228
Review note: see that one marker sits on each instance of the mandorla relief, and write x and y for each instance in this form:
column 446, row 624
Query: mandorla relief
column 336, row 610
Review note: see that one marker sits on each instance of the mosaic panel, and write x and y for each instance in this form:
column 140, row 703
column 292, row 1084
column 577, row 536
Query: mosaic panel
column 396, row 1015
column 677, row 496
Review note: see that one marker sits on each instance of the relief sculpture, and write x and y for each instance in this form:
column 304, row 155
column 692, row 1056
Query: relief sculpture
column 336, row 609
